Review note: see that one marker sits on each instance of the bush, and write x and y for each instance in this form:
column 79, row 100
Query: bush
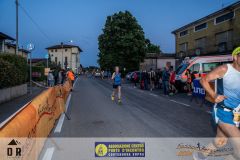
column 13, row 70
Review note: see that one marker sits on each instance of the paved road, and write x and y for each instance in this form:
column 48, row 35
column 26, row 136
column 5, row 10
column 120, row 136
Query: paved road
column 142, row 114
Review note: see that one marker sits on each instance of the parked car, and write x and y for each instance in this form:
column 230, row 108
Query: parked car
column 199, row 66
column 97, row 74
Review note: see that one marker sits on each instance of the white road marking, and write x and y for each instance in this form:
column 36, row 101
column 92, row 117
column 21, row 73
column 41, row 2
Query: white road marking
column 180, row 103
column 62, row 117
column 153, row 94
column 48, row 154
column 68, row 102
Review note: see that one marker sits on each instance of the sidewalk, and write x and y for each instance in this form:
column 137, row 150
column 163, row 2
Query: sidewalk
column 10, row 107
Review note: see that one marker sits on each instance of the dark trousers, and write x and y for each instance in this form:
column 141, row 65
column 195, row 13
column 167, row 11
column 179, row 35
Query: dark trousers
column 145, row 84
column 165, row 87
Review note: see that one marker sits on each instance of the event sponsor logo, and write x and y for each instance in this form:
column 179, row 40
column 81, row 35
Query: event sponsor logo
column 209, row 151
column 199, row 90
column 119, row 149
column 14, row 149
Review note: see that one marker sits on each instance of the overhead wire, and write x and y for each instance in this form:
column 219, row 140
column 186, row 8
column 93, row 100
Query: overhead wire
column 34, row 22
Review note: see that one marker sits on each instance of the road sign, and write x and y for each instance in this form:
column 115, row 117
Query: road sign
column 46, row 56
column 46, row 71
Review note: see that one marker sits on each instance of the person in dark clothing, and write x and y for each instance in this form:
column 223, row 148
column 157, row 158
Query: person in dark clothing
column 152, row 76
column 63, row 76
column 55, row 74
column 189, row 81
column 135, row 79
column 165, row 80
column 172, row 87
column 145, row 79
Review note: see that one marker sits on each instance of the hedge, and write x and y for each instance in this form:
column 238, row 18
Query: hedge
column 13, row 70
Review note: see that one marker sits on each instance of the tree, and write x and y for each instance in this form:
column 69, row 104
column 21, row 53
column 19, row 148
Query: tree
column 152, row 48
column 122, row 42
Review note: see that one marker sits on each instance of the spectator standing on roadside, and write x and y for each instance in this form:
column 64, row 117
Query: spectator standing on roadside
column 145, row 79
column 172, row 87
column 63, row 76
column 60, row 77
column 50, row 79
column 102, row 74
column 152, row 75
column 160, row 79
column 189, row 82
column 55, row 75
column 135, row 78
column 156, row 79
column 165, row 80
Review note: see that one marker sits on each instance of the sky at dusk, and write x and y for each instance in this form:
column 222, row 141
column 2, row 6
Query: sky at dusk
column 82, row 21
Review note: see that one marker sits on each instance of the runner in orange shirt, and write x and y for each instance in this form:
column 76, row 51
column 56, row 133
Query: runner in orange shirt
column 71, row 76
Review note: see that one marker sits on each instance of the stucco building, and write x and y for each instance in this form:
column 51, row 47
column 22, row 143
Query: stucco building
column 67, row 56
column 7, row 46
column 158, row 61
column 214, row 34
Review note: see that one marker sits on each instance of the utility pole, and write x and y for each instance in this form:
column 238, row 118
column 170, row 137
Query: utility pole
column 62, row 54
column 16, row 52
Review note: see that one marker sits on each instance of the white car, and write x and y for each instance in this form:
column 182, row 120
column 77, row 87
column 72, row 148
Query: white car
column 97, row 74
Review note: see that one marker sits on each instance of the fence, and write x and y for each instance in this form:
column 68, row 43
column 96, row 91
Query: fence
column 37, row 119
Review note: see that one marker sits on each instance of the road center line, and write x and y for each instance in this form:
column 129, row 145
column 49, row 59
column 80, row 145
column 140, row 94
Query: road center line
column 180, row 103
column 62, row 117
column 48, row 154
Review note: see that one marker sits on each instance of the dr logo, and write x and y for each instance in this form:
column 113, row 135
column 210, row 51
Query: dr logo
column 13, row 149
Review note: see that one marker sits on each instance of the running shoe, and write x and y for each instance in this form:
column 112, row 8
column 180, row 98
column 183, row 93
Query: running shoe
column 112, row 97
column 119, row 102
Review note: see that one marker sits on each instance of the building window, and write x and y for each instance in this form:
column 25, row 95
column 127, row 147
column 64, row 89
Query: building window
column 66, row 61
column 56, row 60
column 224, row 41
column 183, row 33
column 224, row 17
column 195, row 68
column 183, row 47
column 208, row 67
column 66, row 50
column 76, row 58
column 200, row 43
column 55, row 50
column 52, row 50
column 200, row 27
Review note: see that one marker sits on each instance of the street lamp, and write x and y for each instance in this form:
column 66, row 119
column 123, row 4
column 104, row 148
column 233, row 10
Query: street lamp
column 47, row 57
column 62, row 43
column 30, row 48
